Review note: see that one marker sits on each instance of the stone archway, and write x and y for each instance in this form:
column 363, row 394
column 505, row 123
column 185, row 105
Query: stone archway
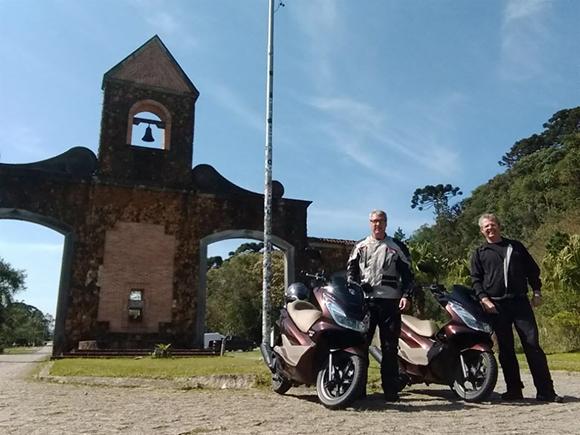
column 289, row 266
column 65, row 271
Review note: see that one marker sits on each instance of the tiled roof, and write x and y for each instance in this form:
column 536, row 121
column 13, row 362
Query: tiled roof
column 319, row 240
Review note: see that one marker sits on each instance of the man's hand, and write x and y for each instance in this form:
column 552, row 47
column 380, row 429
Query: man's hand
column 404, row 304
column 488, row 306
column 536, row 300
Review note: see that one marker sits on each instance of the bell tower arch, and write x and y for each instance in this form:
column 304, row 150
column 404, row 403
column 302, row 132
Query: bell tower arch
column 148, row 80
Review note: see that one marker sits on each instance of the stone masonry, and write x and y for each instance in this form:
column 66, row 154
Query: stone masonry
column 134, row 217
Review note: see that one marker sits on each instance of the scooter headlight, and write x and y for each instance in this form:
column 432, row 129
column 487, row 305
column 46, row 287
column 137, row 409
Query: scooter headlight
column 343, row 320
column 469, row 320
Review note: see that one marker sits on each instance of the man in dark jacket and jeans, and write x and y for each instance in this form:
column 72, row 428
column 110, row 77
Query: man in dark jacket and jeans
column 501, row 270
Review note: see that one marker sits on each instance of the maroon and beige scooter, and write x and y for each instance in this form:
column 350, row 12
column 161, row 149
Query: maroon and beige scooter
column 459, row 354
column 321, row 342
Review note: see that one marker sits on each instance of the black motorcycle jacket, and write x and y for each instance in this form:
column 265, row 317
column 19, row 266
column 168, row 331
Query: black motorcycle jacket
column 383, row 265
column 504, row 270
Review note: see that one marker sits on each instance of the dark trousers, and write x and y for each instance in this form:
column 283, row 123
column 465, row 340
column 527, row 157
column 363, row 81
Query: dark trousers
column 518, row 312
column 386, row 315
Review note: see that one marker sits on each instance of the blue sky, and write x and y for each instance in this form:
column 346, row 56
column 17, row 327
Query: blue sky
column 372, row 98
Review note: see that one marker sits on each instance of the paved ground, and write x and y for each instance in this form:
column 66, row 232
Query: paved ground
column 30, row 406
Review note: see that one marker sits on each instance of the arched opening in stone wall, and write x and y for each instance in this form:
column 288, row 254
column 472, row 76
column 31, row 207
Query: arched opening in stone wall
column 149, row 125
column 222, row 244
column 42, row 247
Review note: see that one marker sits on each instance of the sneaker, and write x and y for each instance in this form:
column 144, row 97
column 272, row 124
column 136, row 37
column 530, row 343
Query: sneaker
column 512, row 395
column 392, row 397
column 549, row 398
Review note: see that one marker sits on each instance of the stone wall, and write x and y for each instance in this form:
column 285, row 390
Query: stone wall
column 135, row 217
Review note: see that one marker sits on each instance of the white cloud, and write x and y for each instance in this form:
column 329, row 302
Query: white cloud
column 235, row 104
column 21, row 144
column 16, row 248
column 162, row 20
column 524, row 39
column 351, row 222
column 321, row 24
column 522, row 9
column 387, row 146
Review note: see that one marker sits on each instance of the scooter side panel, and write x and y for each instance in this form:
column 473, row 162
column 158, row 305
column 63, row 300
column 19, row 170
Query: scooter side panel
column 305, row 369
column 418, row 373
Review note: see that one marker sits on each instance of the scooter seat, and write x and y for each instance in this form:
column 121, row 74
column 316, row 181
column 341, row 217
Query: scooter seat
column 304, row 314
column 426, row 328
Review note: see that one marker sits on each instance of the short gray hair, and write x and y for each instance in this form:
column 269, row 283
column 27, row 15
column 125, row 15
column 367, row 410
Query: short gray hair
column 378, row 213
column 489, row 216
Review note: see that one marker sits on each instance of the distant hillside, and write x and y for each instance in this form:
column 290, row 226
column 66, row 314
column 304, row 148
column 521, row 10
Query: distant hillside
column 537, row 196
column 537, row 199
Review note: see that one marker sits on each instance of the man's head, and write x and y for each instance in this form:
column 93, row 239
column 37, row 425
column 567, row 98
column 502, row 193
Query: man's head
column 490, row 227
column 378, row 224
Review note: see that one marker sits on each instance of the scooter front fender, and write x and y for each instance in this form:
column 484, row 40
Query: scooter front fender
column 356, row 350
column 481, row 347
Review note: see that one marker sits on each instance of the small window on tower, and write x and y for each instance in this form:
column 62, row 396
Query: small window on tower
column 135, row 305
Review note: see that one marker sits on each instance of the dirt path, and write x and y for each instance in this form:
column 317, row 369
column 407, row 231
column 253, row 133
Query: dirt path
column 34, row 407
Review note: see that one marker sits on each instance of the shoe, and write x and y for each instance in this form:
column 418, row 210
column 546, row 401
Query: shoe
column 512, row 395
column 549, row 398
column 392, row 397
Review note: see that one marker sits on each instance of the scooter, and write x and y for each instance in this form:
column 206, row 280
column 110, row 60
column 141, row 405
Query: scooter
column 459, row 354
column 321, row 343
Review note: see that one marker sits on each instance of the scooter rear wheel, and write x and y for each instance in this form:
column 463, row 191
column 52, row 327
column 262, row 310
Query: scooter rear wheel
column 481, row 376
column 341, row 387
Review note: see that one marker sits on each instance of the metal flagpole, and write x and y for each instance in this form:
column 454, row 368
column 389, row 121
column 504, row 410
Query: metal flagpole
column 267, row 262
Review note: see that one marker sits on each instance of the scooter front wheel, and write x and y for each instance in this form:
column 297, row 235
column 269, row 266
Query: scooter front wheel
column 340, row 380
column 480, row 378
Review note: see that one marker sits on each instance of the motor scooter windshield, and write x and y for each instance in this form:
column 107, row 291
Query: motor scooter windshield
column 464, row 296
column 348, row 296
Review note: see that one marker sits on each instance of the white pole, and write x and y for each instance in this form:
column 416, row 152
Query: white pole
column 267, row 263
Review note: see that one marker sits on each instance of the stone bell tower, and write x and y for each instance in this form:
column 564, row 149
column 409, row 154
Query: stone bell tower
column 147, row 91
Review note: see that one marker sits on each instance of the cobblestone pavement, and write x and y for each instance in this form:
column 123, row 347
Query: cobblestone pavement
column 29, row 406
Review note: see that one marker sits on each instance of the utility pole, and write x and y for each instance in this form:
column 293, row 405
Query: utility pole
column 267, row 262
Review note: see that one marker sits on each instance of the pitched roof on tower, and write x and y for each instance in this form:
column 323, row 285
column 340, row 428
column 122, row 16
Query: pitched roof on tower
column 154, row 66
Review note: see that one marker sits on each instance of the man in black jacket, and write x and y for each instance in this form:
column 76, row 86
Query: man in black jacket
column 501, row 270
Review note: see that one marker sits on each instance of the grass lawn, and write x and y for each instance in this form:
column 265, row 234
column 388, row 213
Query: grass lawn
column 232, row 363
column 20, row 350
column 558, row 361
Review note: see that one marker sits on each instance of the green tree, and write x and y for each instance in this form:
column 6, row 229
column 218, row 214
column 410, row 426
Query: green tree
column 247, row 247
column 399, row 234
column 25, row 325
column 11, row 282
column 234, row 301
column 214, row 262
column 436, row 197
column 561, row 311
column 560, row 125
